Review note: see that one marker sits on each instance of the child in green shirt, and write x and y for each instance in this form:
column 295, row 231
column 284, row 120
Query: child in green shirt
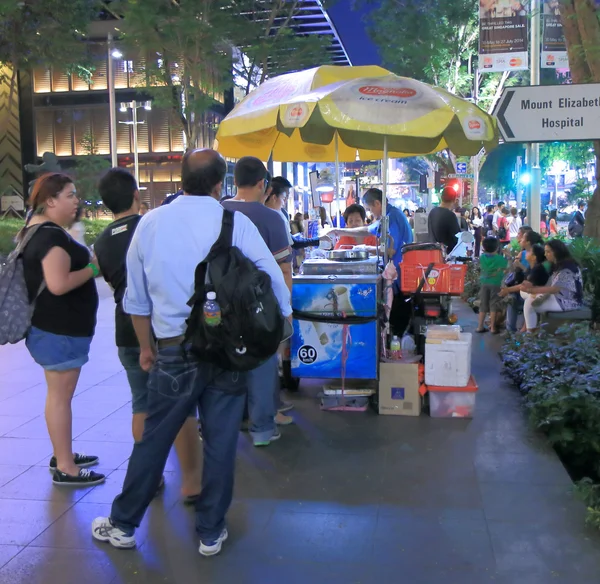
column 493, row 266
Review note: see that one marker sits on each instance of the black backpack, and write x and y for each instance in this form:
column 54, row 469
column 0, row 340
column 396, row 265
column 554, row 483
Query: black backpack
column 575, row 228
column 252, row 325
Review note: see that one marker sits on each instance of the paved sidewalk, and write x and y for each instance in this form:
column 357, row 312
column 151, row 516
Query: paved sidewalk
column 342, row 498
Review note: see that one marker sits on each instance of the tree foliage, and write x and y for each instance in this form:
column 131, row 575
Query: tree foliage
column 497, row 170
column 576, row 154
column 190, row 47
column 44, row 33
column 271, row 45
column 88, row 169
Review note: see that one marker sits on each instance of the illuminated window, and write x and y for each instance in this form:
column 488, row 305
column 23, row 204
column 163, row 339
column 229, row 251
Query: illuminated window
column 41, row 80
column 79, row 84
column 127, row 66
column 44, row 130
column 63, row 133
column 123, row 138
column 160, row 130
column 60, row 81
column 142, row 129
column 81, row 130
column 100, row 75
column 100, row 130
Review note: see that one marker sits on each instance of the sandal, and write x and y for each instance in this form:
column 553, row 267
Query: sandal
column 483, row 330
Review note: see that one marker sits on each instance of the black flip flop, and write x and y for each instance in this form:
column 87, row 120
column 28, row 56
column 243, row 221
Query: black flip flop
column 483, row 330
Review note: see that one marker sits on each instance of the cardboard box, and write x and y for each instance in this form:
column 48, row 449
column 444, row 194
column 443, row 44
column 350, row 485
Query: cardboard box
column 399, row 389
column 448, row 363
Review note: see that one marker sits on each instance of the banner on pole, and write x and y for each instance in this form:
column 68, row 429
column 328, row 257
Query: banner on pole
column 503, row 35
column 554, row 48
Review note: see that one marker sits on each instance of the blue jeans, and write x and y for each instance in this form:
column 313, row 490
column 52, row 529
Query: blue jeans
column 512, row 312
column 179, row 383
column 137, row 378
column 263, row 399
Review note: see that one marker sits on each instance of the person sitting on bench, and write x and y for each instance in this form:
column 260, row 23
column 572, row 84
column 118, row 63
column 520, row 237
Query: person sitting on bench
column 564, row 291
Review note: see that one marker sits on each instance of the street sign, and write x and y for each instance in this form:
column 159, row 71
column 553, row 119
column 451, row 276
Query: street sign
column 461, row 167
column 550, row 113
column 465, row 176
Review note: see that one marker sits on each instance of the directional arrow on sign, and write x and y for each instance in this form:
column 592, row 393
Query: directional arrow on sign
column 550, row 113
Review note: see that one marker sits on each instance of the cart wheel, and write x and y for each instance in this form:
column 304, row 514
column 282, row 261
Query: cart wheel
column 288, row 381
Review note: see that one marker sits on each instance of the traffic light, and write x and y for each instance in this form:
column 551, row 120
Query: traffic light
column 438, row 180
column 453, row 183
column 467, row 190
column 423, row 183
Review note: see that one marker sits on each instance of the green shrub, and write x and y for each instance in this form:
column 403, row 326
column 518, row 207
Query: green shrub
column 10, row 227
column 559, row 377
column 8, row 230
column 472, row 285
column 587, row 252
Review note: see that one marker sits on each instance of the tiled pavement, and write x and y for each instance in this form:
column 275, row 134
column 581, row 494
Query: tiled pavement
column 342, row 498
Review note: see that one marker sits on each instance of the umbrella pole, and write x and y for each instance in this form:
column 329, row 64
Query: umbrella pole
column 337, row 180
column 384, row 221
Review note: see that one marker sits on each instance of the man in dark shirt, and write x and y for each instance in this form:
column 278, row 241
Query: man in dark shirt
column 252, row 181
column 120, row 195
column 443, row 224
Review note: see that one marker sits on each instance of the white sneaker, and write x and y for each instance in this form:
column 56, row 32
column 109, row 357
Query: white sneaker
column 104, row 530
column 212, row 548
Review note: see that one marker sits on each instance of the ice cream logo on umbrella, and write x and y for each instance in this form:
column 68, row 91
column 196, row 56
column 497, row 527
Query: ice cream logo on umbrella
column 295, row 115
column 379, row 91
column 475, row 127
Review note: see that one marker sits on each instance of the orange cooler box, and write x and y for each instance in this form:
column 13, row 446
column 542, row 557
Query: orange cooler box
column 422, row 253
column 453, row 402
column 443, row 278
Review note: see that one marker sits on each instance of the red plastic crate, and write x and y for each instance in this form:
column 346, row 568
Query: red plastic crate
column 443, row 279
column 422, row 256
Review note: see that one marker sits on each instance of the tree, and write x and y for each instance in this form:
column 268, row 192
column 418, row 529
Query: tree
column 576, row 154
column 189, row 48
column 498, row 168
column 581, row 26
column 43, row 33
column 89, row 167
column 272, row 44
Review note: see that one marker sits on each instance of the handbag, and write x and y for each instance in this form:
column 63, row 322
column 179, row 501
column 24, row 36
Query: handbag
column 514, row 278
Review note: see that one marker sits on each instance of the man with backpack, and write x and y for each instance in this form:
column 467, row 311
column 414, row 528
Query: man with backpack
column 252, row 182
column 577, row 223
column 191, row 267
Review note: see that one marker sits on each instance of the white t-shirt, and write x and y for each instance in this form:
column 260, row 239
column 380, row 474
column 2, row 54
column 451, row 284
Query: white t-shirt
column 514, row 226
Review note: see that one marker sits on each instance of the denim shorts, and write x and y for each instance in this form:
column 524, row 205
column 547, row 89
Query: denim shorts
column 57, row 352
column 137, row 378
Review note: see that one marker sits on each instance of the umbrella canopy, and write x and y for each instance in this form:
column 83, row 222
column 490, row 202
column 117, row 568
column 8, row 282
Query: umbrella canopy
column 296, row 117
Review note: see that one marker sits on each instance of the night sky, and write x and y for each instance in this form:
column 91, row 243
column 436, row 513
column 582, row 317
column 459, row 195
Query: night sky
column 350, row 26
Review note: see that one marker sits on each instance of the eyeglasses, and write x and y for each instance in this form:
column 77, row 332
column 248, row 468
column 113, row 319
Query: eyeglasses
column 267, row 182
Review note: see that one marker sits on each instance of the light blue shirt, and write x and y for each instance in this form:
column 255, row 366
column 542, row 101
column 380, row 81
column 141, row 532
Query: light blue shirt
column 166, row 248
column 399, row 233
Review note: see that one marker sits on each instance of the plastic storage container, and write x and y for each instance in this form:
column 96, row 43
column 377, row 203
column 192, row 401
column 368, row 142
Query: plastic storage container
column 448, row 363
column 443, row 278
column 443, row 332
column 453, row 402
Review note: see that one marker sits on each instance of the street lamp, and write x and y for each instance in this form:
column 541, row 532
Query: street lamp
column 133, row 106
column 113, row 53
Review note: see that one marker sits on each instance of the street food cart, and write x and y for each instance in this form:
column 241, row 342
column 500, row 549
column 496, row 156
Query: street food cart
column 344, row 114
column 335, row 305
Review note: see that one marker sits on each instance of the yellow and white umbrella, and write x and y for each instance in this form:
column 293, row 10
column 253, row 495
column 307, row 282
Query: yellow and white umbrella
column 337, row 114
column 298, row 116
